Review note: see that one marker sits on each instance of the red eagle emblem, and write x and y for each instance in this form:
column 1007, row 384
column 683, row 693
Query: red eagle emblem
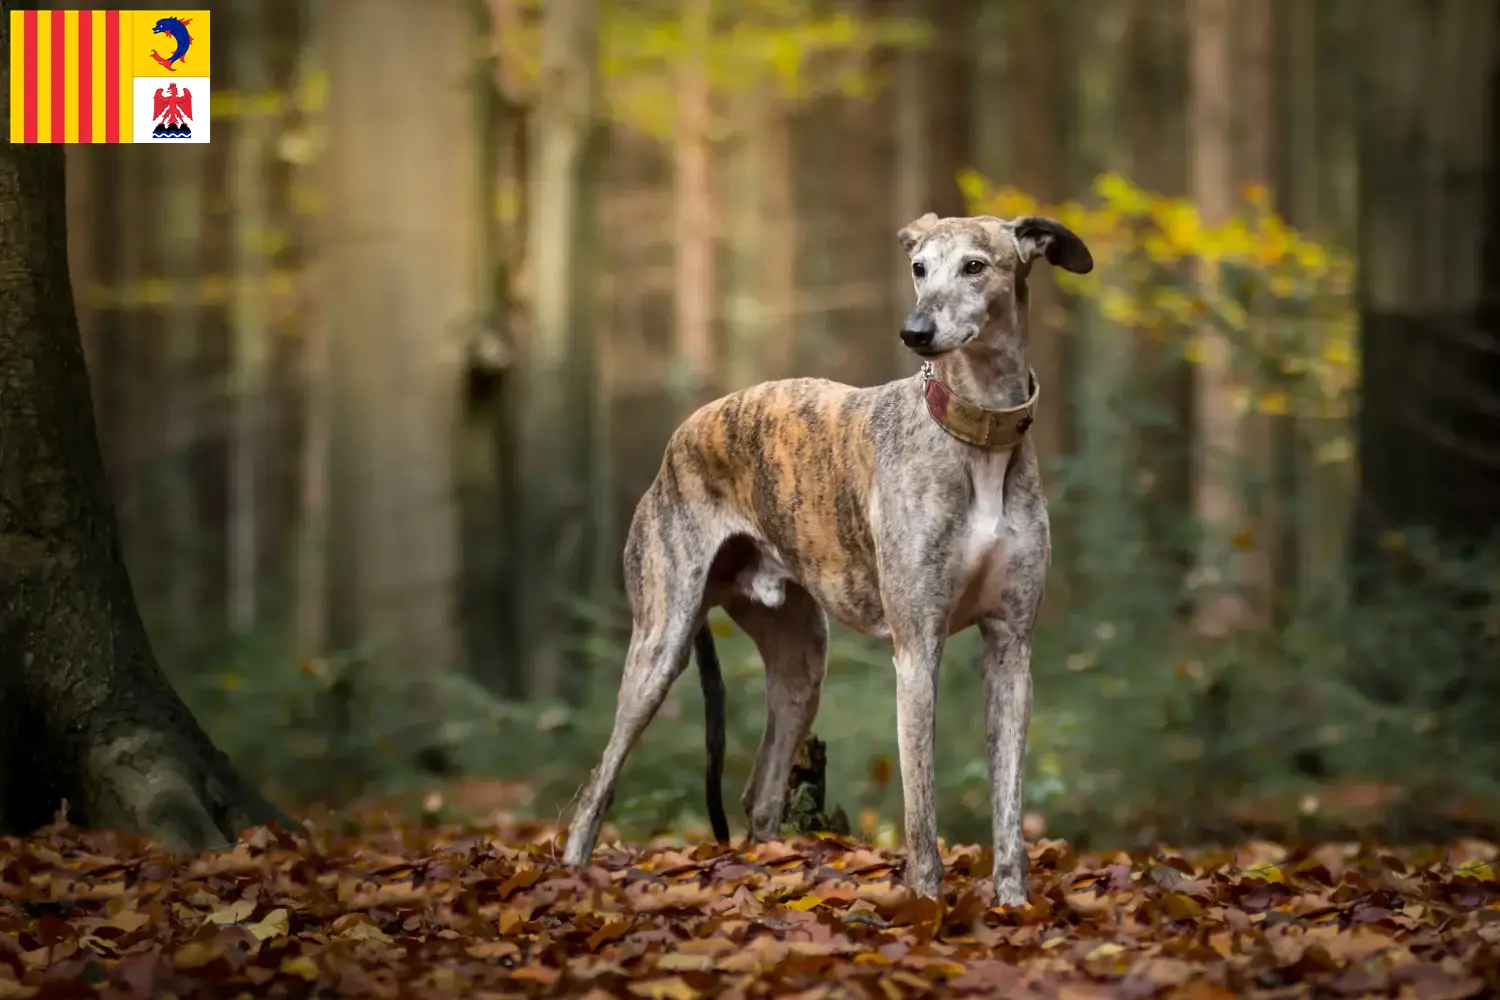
column 172, row 110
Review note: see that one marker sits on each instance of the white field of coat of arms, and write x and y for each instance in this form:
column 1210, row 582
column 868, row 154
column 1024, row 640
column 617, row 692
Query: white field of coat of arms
column 171, row 109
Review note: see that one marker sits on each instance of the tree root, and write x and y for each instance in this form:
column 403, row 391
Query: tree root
column 142, row 783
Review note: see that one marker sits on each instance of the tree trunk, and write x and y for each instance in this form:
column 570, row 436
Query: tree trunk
column 128, row 425
column 1427, row 175
column 1322, row 489
column 993, row 150
column 1429, row 253
column 1036, row 80
column 1218, row 449
column 1302, row 534
column 1270, row 440
column 1155, row 116
column 252, row 332
column 86, row 715
column 1103, row 390
column 82, row 162
column 912, row 169
column 1296, row 161
column 778, row 354
column 512, row 104
column 950, row 102
column 746, row 256
column 310, row 576
column 933, row 97
column 402, row 240
column 185, row 172
column 1340, row 42
column 482, row 436
column 1331, row 51
column 694, row 283
column 1039, row 72
column 556, row 386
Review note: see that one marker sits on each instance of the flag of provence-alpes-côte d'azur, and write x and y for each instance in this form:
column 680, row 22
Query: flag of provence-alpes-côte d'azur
column 109, row 76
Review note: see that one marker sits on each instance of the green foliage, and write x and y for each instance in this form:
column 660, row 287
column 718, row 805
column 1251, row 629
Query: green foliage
column 1138, row 732
column 1133, row 737
column 332, row 729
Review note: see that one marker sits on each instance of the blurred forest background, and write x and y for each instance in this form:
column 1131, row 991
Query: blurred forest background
column 381, row 374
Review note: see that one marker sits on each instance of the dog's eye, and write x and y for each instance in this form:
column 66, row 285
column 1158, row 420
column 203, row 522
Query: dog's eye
column 919, row 269
column 974, row 267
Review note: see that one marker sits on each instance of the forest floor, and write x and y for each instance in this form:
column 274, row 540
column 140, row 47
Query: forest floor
column 385, row 910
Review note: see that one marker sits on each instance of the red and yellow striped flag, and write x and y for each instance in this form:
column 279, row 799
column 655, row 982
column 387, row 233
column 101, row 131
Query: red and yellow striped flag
column 88, row 75
column 71, row 76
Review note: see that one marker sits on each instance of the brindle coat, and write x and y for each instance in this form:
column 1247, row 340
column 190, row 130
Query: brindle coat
column 792, row 499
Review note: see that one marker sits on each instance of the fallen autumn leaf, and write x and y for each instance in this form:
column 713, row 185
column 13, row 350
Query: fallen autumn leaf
column 385, row 911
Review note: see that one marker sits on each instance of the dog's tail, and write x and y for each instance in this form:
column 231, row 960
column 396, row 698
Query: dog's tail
column 712, row 678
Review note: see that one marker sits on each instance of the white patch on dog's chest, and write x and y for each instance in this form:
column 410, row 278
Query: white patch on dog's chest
column 985, row 542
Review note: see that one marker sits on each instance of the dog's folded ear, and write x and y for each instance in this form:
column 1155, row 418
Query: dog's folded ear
column 1037, row 235
column 914, row 231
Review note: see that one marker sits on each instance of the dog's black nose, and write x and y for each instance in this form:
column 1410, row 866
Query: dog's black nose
column 918, row 330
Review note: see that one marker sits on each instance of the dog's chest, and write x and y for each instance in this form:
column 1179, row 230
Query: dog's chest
column 986, row 542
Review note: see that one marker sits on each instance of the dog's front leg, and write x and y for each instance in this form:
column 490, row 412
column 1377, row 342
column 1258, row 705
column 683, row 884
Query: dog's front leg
column 917, row 659
column 1007, row 679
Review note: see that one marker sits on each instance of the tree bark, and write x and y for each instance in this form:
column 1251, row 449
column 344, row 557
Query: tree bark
column 932, row 107
column 484, row 462
column 993, row 150
column 309, row 622
column 695, row 286
column 1037, row 74
column 778, row 355
column 745, row 195
column 1429, row 257
column 86, row 715
column 1155, row 120
column 1269, row 440
column 1426, row 163
column 1040, row 70
column 1330, row 53
column 252, row 332
column 1101, row 380
column 401, row 225
column 1218, row 448
column 556, row 387
column 185, row 173
column 950, row 102
column 910, row 188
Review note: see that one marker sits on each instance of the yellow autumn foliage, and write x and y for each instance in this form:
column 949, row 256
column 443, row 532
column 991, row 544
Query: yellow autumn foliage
column 1284, row 303
column 775, row 46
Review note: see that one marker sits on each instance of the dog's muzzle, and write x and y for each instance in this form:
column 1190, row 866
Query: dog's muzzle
column 917, row 332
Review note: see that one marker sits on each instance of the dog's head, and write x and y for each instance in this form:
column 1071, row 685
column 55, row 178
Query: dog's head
column 970, row 275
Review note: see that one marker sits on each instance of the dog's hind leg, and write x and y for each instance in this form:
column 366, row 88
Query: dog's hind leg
column 666, row 612
column 793, row 641
column 658, row 654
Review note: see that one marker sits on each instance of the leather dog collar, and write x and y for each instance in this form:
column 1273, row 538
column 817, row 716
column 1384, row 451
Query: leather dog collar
column 974, row 424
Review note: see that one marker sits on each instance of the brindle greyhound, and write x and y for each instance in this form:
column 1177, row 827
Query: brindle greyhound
column 907, row 511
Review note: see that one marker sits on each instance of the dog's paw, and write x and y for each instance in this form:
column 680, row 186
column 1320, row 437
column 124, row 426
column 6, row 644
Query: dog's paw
column 1011, row 890
column 577, row 854
column 925, row 877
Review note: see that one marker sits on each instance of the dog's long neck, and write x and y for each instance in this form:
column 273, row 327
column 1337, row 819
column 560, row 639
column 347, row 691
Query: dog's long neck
column 990, row 371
